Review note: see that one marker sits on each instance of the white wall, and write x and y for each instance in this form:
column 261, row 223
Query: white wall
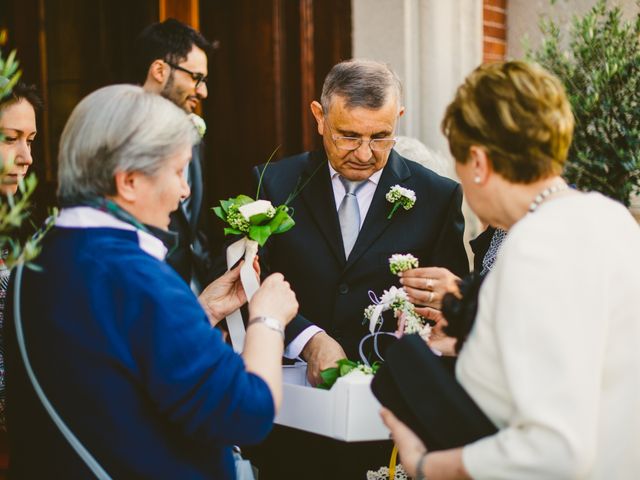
column 431, row 44
column 523, row 17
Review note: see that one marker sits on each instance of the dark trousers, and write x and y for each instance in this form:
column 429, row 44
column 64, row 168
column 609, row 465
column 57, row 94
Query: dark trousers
column 293, row 454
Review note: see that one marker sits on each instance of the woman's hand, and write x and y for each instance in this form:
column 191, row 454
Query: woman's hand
column 274, row 299
column 440, row 341
column 223, row 296
column 410, row 447
column 226, row 294
column 427, row 286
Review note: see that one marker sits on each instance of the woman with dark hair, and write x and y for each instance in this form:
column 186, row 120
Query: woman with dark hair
column 18, row 128
column 552, row 358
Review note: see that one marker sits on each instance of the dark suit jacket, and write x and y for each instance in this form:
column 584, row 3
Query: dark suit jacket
column 190, row 256
column 333, row 291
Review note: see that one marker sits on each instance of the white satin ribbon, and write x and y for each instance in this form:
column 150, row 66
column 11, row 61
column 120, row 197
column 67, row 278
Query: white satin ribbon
column 248, row 249
column 377, row 311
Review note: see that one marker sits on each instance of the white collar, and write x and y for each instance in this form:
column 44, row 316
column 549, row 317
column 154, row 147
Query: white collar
column 374, row 178
column 88, row 217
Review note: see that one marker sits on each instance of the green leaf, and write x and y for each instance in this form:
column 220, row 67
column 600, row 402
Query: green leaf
column 226, row 204
column 259, row 219
column 329, row 377
column 281, row 221
column 287, row 224
column 345, row 365
column 241, row 200
column 220, row 213
column 232, row 231
column 264, row 169
column 260, row 233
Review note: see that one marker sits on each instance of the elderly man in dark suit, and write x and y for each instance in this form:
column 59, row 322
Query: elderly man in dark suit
column 341, row 243
column 342, row 240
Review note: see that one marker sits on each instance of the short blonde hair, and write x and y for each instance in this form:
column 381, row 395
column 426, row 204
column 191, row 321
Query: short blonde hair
column 519, row 113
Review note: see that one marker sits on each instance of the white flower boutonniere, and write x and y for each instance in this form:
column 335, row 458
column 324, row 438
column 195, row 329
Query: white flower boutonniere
column 401, row 263
column 400, row 197
column 199, row 123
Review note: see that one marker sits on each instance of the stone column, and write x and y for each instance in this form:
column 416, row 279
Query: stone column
column 432, row 45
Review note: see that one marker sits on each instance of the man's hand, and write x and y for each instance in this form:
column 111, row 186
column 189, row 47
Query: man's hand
column 321, row 352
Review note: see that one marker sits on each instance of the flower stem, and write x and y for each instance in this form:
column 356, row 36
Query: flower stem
column 396, row 205
column 263, row 170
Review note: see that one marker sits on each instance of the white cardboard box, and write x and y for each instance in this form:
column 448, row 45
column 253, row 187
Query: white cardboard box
column 348, row 411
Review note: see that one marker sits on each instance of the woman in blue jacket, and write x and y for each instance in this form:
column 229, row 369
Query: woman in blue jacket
column 119, row 344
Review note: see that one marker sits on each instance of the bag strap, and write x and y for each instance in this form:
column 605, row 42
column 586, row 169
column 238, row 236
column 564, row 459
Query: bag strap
column 82, row 452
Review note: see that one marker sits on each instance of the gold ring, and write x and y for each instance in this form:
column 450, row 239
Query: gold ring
column 431, row 296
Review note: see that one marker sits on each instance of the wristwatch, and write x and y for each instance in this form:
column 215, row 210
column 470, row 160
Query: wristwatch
column 419, row 466
column 268, row 322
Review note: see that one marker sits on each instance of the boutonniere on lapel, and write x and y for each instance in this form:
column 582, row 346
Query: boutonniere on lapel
column 400, row 197
column 199, row 123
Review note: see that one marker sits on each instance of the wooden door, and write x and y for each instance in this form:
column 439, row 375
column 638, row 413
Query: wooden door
column 270, row 63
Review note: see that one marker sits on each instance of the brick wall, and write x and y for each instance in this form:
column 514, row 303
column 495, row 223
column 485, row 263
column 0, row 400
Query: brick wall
column 494, row 29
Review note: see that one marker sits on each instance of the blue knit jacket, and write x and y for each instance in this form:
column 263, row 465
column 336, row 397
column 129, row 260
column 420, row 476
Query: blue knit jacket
column 126, row 355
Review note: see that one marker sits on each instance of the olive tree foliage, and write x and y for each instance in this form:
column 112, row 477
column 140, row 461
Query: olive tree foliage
column 598, row 60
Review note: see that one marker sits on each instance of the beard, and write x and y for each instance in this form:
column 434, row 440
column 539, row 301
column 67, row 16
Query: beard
column 174, row 94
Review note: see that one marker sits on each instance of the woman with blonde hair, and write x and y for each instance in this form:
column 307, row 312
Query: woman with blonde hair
column 552, row 358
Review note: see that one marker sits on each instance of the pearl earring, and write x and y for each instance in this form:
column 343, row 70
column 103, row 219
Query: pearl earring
column 476, row 179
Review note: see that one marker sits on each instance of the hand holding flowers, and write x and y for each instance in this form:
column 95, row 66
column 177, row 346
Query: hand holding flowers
column 397, row 300
column 256, row 220
column 427, row 286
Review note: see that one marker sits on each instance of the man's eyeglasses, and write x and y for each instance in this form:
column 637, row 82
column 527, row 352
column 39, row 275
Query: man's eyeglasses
column 195, row 76
column 354, row 143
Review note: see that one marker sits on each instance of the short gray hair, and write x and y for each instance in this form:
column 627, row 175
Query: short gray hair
column 119, row 128
column 413, row 149
column 362, row 83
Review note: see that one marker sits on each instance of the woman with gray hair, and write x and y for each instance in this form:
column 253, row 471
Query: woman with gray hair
column 125, row 355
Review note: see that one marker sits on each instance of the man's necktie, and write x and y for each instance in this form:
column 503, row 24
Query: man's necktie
column 349, row 214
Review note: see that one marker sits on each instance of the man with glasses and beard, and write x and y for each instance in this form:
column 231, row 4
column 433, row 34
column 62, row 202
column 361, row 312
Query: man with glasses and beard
column 341, row 243
column 171, row 60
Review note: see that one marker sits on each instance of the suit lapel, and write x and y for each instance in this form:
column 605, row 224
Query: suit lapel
column 195, row 175
column 319, row 199
column 396, row 171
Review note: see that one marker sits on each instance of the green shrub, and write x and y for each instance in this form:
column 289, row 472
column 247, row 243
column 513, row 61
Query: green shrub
column 599, row 63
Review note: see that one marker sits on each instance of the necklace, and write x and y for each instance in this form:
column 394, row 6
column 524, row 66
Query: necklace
column 544, row 194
